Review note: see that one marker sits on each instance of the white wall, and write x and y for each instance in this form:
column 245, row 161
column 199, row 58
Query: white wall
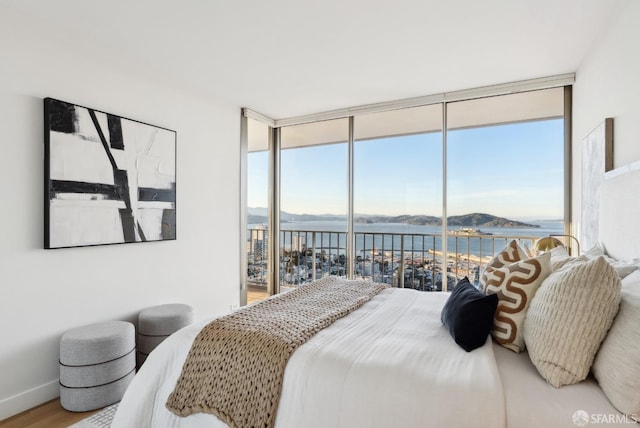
column 44, row 293
column 608, row 85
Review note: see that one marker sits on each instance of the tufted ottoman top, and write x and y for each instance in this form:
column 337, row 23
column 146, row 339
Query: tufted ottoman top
column 96, row 343
column 164, row 320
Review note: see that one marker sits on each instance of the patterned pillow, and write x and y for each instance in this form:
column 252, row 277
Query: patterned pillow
column 617, row 365
column 510, row 254
column 569, row 317
column 515, row 285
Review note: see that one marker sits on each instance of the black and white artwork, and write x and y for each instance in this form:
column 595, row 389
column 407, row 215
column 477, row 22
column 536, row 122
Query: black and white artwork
column 108, row 179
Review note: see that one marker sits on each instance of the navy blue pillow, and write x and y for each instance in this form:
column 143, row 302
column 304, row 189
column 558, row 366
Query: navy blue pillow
column 468, row 315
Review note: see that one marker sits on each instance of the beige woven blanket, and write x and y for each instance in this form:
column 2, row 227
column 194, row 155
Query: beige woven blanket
column 235, row 367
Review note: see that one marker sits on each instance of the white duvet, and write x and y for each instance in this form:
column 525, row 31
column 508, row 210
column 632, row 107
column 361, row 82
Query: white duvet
column 389, row 364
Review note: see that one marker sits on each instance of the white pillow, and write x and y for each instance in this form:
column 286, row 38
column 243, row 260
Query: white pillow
column 558, row 256
column 623, row 267
column 569, row 317
column 560, row 259
column 595, row 251
column 617, row 365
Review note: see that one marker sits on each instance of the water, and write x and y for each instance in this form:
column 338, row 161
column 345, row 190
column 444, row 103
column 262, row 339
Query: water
column 335, row 243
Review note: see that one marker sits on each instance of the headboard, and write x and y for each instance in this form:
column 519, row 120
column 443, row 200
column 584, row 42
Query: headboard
column 619, row 214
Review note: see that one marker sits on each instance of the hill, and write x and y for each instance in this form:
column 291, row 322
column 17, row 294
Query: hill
column 485, row 220
column 467, row 220
column 258, row 215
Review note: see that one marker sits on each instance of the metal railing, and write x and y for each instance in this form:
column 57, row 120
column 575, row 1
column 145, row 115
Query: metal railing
column 406, row 260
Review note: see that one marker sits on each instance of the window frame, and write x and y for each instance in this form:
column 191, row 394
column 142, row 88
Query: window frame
column 565, row 81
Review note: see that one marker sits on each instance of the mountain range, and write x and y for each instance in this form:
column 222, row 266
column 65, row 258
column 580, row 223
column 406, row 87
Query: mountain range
column 259, row 216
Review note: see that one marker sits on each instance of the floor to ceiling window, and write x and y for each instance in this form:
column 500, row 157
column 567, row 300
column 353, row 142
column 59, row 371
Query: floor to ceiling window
column 397, row 196
column 257, row 232
column 313, row 201
column 505, row 174
column 505, row 156
column 391, row 196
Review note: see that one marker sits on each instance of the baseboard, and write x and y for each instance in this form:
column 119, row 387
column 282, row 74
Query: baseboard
column 26, row 400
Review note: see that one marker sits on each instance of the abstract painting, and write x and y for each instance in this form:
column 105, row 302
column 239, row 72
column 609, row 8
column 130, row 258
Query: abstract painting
column 108, row 179
column 597, row 158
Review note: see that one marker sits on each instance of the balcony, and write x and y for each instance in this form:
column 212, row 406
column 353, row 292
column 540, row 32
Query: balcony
column 405, row 260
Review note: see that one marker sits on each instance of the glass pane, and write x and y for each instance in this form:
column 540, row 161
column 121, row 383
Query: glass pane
column 257, row 204
column 505, row 174
column 398, row 197
column 313, row 201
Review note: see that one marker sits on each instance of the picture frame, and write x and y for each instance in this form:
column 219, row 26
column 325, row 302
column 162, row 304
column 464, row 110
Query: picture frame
column 107, row 179
column 597, row 159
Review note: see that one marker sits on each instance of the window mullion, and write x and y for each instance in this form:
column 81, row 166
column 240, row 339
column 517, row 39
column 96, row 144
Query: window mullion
column 445, row 255
column 350, row 256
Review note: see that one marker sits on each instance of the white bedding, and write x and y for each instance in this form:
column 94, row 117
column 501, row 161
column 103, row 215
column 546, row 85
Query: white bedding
column 531, row 402
column 389, row 364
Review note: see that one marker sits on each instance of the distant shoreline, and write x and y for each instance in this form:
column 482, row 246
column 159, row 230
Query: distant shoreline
column 475, row 220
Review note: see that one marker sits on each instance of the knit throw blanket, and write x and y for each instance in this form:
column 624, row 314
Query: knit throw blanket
column 235, row 367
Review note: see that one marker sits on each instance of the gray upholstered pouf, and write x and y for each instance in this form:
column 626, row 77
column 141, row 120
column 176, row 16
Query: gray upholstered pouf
column 97, row 397
column 97, row 363
column 157, row 323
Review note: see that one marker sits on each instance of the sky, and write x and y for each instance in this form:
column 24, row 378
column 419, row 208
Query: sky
column 513, row 170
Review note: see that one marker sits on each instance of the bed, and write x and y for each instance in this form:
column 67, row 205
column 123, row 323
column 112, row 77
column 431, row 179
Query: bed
column 392, row 363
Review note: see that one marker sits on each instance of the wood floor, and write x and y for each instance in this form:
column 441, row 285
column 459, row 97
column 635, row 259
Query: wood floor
column 255, row 294
column 52, row 415
column 47, row 415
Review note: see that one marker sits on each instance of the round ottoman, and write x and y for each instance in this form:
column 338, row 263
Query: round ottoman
column 157, row 323
column 97, row 363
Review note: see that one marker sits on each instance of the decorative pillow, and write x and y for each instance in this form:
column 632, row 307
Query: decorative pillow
column 623, row 267
column 617, row 365
column 515, row 285
column 595, row 251
column 560, row 257
column 468, row 315
column 569, row 317
column 558, row 262
column 510, row 254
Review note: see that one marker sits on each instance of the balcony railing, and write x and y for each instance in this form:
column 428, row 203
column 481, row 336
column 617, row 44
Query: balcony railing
column 405, row 260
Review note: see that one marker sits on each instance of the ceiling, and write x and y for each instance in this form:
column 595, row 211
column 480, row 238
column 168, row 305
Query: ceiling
column 287, row 58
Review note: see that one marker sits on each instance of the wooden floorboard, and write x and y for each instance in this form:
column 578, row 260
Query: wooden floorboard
column 47, row 415
column 255, row 294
